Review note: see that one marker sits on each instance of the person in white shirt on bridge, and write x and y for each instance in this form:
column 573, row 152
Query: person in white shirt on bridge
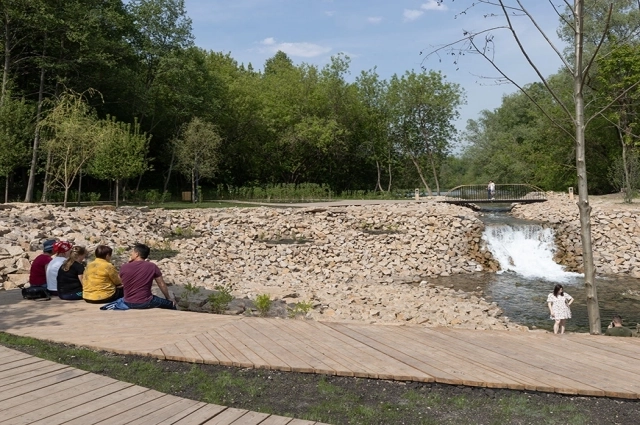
column 491, row 190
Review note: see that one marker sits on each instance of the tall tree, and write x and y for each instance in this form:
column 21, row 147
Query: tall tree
column 120, row 152
column 197, row 153
column 15, row 129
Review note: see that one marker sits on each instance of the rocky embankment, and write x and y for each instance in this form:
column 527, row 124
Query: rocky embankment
column 615, row 233
column 367, row 263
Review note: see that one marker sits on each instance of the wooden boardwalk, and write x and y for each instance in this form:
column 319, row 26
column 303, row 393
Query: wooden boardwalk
column 569, row 364
column 36, row 391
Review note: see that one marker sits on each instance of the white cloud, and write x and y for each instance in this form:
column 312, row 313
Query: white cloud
column 330, row 12
column 303, row 50
column 374, row 19
column 433, row 5
column 412, row 14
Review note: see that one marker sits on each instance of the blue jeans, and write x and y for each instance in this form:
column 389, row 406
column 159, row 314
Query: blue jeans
column 155, row 302
column 71, row 297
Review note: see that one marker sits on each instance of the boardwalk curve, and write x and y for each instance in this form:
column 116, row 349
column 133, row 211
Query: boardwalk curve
column 595, row 366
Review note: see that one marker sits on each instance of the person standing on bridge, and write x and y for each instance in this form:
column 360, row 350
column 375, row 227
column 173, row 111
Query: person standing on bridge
column 559, row 303
column 491, row 190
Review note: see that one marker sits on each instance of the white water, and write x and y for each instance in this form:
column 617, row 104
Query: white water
column 526, row 250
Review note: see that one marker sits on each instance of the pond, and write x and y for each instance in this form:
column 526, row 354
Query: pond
column 525, row 252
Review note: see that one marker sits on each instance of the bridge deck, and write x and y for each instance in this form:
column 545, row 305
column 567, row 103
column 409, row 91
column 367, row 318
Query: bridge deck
column 598, row 366
column 492, row 201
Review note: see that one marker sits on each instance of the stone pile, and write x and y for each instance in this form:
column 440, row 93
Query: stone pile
column 368, row 263
column 615, row 234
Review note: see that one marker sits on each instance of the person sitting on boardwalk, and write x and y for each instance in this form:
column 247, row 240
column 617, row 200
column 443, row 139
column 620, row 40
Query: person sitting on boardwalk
column 38, row 270
column 101, row 283
column 70, row 275
column 137, row 277
column 616, row 329
column 61, row 249
column 559, row 303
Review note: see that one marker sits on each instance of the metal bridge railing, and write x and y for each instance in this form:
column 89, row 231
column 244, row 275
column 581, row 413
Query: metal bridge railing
column 503, row 193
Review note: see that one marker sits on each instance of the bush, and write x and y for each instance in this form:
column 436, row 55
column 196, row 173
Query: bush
column 220, row 299
column 263, row 304
column 300, row 309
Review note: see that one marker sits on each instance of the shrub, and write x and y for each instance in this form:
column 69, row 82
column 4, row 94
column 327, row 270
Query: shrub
column 263, row 304
column 220, row 299
column 300, row 309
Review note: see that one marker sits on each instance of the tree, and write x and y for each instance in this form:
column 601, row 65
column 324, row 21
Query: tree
column 482, row 43
column 120, row 152
column 423, row 108
column 15, row 129
column 618, row 75
column 197, row 153
column 71, row 129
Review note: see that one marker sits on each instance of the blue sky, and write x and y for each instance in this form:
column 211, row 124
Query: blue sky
column 387, row 34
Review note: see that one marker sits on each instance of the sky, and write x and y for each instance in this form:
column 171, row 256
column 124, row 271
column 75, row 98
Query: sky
column 388, row 35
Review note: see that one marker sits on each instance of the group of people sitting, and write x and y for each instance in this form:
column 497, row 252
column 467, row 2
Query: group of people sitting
column 61, row 270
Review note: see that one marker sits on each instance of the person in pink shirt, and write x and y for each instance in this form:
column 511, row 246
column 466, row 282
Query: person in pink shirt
column 137, row 276
column 38, row 270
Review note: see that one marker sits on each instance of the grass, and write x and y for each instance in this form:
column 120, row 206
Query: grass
column 335, row 400
column 206, row 204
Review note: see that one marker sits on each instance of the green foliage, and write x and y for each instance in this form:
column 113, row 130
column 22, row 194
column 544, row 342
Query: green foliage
column 15, row 130
column 263, row 304
column 220, row 299
column 300, row 309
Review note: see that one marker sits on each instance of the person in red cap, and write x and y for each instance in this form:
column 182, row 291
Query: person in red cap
column 38, row 270
column 61, row 250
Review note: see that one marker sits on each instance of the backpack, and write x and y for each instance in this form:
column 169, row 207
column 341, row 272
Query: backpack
column 36, row 293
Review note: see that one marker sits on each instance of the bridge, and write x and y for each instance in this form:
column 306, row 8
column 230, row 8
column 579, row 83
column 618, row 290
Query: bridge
column 503, row 194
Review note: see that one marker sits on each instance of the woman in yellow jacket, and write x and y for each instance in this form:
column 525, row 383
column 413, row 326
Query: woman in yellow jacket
column 101, row 283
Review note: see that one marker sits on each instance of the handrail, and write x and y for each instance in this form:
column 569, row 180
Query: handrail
column 503, row 192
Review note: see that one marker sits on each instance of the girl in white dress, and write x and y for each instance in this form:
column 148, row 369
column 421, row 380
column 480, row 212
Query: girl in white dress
column 559, row 303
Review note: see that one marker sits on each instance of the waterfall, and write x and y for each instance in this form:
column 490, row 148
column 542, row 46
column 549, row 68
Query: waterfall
column 526, row 250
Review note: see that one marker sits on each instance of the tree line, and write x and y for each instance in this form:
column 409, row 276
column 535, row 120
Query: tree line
column 112, row 96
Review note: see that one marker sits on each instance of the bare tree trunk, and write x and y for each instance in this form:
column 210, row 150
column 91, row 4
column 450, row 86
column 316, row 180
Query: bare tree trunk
column 389, row 185
column 378, row 185
column 66, row 196
column 166, row 182
column 193, row 185
column 583, row 195
column 79, row 186
column 36, row 139
column 45, row 184
column 435, row 173
column 7, row 58
column 117, row 192
column 6, row 189
column 419, row 169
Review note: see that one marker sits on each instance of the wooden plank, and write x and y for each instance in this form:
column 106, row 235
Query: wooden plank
column 19, row 362
column 238, row 348
column 353, row 362
column 547, row 370
column 379, row 364
column 142, row 410
column 613, row 383
column 202, row 415
column 226, row 417
column 83, row 394
column 88, row 413
column 276, row 420
column 302, row 350
column 172, row 352
column 207, row 356
column 251, row 418
column 302, row 422
column 236, row 358
column 512, row 370
column 260, row 332
column 220, row 357
column 44, row 386
column 609, row 344
column 182, row 406
column 24, row 373
column 262, row 358
column 114, row 405
column 191, row 355
column 171, row 417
